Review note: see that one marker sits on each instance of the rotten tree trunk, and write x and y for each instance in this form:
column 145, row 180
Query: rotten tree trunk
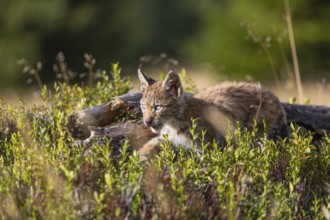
column 104, row 114
column 311, row 117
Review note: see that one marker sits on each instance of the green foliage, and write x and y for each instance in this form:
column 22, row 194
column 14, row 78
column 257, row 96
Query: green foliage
column 188, row 84
column 242, row 38
column 23, row 25
column 45, row 175
column 233, row 36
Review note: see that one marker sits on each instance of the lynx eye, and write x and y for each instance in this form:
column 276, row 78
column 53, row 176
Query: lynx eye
column 157, row 108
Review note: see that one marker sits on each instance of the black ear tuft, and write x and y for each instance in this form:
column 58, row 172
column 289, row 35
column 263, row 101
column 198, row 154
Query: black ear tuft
column 144, row 80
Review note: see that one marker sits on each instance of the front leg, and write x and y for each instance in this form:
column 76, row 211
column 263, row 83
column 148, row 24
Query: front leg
column 149, row 148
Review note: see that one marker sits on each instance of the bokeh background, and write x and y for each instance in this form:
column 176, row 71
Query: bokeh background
column 237, row 39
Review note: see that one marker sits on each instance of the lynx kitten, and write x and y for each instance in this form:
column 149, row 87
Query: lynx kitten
column 167, row 110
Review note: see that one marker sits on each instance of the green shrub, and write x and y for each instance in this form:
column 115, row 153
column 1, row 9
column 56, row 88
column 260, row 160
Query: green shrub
column 44, row 175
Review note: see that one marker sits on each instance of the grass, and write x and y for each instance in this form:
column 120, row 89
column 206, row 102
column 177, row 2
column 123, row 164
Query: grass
column 45, row 175
column 265, row 44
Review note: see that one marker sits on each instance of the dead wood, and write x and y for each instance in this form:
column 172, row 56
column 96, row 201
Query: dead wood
column 311, row 117
column 116, row 135
column 104, row 114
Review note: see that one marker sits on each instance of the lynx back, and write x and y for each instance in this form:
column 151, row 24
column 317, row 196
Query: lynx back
column 167, row 110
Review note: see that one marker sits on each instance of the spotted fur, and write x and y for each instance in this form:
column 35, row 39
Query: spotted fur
column 168, row 111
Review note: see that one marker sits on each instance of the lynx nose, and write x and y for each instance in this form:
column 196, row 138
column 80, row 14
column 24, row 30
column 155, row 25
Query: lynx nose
column 148, row 122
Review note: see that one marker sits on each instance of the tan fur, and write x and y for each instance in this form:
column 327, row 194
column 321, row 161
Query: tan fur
column 168, row 111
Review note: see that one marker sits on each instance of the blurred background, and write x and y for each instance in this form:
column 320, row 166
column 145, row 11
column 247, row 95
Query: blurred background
column 232, row 39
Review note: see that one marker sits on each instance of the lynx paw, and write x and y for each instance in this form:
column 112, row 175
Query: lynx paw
column 144, row 153
column 143, row 158
column 148, row 149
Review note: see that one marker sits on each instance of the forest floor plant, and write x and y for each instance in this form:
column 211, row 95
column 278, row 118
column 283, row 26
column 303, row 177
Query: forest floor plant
column 44, row 175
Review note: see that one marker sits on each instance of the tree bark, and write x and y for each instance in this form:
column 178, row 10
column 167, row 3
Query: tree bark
column 104, row 114
column 80, row 124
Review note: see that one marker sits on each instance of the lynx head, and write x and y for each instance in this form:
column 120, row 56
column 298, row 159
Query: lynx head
column 160, row 103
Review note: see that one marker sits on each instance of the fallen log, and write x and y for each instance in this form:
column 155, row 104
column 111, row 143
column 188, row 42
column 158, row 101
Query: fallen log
column 82, row 123
column 104, row 114
column 312, row 117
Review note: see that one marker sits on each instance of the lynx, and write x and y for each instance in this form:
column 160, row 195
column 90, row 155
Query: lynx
column 168, row 111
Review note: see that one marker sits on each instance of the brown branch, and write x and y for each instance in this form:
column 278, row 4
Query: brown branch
column 311, row 117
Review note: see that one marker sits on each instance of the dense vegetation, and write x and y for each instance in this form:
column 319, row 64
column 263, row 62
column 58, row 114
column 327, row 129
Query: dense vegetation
column 45, row 175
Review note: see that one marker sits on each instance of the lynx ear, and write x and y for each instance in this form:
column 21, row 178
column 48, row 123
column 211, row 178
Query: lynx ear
column 144, row 80
column 172, row 83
